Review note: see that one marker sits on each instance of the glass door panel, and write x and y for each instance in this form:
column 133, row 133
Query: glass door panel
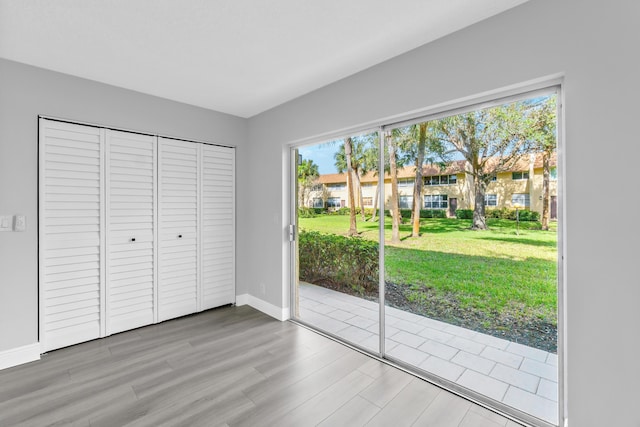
column 336, row 277
column 470, row 255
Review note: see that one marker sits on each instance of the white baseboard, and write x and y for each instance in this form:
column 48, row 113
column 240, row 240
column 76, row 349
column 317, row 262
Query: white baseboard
column 19, row 355
column 269, row 309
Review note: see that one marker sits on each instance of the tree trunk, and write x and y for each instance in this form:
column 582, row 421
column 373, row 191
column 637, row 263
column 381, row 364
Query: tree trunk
column 395, row 209
column 360, row 201
column 353, row 228
column 417, row 186
column 303, row 198
column 545, row 190
column 479, row 219
column 375, row 202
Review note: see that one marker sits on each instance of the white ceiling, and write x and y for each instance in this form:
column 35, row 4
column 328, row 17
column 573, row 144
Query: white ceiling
column 240, row 57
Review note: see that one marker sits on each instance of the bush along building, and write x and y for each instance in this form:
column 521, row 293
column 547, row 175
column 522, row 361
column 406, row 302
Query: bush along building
column 446, row 190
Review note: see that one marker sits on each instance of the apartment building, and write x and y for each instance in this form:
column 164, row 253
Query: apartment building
column 586, row 48
column 447, row 188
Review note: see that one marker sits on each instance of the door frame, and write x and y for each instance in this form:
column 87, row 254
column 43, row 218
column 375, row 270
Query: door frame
column 553, row 85
column 41, row 230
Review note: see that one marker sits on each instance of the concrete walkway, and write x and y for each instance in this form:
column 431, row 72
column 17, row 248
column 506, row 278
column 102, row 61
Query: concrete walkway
column 522, row 377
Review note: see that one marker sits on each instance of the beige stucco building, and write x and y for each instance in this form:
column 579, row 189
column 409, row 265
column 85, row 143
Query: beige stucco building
column 446, row 188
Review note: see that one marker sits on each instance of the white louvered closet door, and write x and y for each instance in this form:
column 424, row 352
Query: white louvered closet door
column 130, row 230
column 178, row 176
column 70, row 240
column 217, row 227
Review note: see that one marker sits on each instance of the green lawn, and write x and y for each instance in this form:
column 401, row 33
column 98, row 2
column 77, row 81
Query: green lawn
column 494, row 279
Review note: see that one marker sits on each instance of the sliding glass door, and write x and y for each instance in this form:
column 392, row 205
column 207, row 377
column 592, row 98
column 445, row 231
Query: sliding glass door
column 337, row 259
column 452, row 222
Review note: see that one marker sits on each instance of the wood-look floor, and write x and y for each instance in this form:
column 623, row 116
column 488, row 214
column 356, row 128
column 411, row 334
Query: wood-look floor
column 232, row 366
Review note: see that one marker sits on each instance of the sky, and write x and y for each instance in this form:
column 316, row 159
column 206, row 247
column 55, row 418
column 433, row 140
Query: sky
column 322, row 155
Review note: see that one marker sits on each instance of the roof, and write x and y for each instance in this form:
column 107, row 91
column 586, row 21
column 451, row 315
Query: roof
column 454, row 167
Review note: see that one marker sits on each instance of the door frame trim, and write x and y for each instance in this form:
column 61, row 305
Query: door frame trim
column 551, row 84
column 103, row 228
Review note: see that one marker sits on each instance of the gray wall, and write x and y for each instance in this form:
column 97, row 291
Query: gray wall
column 595, row 46
column 26, row 92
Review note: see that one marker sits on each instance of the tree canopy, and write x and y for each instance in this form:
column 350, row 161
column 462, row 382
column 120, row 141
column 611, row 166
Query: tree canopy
column 491, row 141
column 308, row 173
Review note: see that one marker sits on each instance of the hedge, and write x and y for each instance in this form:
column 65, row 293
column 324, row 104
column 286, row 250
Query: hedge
column 506, row 213
column 405, row 214
column 424, row 213
column 344, row 262
column 308, row 212
column 464, row 213
column 347, row 211
column 502, row 213
column 313, row 212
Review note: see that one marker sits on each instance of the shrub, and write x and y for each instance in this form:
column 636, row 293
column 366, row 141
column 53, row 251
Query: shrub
column 501, row 213
column 424, row 213
column 464, row 213
column 344, row 262
column 347, row 211
column 506, row 213
column 526, row 215
column 433, row 213
column 306, row 212
column 369, row 211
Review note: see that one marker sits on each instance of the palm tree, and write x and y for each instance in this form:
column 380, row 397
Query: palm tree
column 353, row 228
column 359, row 166
column 370, row 164
column 420, row 146
column 392, row 139
column 542, row 131
column 308, row 173
column 417, row 185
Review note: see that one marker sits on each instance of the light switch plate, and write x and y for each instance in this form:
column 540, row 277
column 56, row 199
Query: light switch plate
column 20, row 223
column 6, row 222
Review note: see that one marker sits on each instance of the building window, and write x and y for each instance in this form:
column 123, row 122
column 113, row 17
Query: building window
column 553, row 174
column 369, row 184
column 491, row 200
column 367, row 201
column 333, row 202
column 405, row 182
column 435, row 201
column 441, row 180
column 520, row 200
column 316, row 187
column 519, row 175
column 337, row 186
column 318, row 203
column 406, row 202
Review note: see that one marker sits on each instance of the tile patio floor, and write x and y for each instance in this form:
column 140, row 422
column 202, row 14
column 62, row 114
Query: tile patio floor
column 519, row 376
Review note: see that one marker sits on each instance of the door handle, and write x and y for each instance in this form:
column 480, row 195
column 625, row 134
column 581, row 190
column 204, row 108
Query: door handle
column 133, row 239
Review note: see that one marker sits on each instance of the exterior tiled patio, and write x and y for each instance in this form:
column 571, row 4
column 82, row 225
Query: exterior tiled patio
column 519, row 376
